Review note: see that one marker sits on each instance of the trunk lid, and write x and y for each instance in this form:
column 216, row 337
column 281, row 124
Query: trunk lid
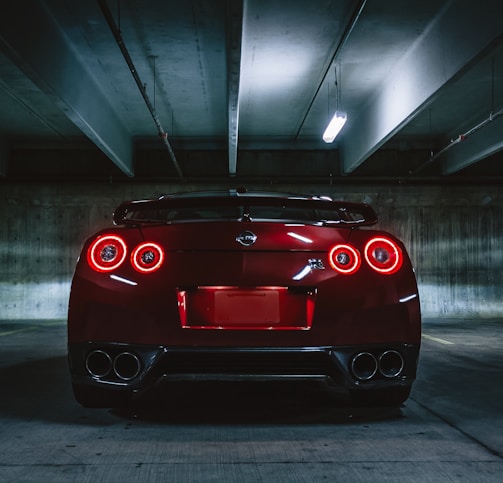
column 245, row 236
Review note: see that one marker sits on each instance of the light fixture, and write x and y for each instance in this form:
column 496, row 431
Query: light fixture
column 334, row 126
column 340, row 117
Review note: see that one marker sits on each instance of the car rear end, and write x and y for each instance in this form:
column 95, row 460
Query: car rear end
column 263, row 293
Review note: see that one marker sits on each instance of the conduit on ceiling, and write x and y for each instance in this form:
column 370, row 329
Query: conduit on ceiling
column 460, row 138
column 345, row 36
column 141, row 86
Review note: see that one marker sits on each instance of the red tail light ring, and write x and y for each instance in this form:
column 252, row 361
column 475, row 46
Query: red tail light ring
column 383, row 255
column 147, row 257
column 106, row 253
column 344, row 259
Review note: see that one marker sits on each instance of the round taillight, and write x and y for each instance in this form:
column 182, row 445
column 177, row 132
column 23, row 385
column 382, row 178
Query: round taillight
column 344, row 259
column 147, row 257
column 383, row 255
column 106, row 253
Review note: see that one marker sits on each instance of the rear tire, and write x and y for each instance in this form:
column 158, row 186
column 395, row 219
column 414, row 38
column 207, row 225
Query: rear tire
column 394, row 396
column 97, row 397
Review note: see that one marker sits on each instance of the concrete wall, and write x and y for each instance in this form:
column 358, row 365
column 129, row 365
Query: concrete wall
column 3, row 157
column 454, row 235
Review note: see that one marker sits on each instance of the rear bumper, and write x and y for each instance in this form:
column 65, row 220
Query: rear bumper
column 134, row 369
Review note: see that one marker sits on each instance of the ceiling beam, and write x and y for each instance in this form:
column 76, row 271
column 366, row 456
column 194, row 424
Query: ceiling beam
column 474, row 148
column 48, row 58
column 235, row 34
column 457, row 36
column 139, row 83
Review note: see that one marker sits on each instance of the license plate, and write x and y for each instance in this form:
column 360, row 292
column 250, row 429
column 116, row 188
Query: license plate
column 257, row 308
column 248, row 307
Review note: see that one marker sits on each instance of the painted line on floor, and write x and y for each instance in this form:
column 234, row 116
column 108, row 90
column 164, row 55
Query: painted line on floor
column 54, row 322
column 24, row 329
column 32, row 327
column 436, row 339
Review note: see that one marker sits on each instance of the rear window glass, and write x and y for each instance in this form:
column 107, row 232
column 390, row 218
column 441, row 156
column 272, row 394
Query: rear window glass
column 224, row 212
column 186, row 214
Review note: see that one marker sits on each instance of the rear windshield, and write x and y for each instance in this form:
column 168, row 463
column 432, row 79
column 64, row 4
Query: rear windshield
column 174, row 214
column 235, row 206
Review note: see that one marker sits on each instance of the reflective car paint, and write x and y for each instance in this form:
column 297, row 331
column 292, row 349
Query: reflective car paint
column 215, row 298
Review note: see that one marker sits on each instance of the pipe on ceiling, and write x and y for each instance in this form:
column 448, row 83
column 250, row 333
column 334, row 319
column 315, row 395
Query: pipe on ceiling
column 345, row 36
column 460, row 138
column 141, row 86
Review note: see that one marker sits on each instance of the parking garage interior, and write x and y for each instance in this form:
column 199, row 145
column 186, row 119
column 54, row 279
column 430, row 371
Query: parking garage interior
column 102, row 102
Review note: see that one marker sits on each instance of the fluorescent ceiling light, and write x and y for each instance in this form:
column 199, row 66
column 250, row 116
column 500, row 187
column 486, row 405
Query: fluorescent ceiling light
column 334, row 126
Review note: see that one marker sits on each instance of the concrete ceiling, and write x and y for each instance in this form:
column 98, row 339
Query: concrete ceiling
column 243, row 89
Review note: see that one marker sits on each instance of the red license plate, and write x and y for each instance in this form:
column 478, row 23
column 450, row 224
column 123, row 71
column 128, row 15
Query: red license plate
column 248, row 307
column 257, row 308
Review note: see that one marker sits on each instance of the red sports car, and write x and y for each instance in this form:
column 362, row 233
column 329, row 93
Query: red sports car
column 237, row 284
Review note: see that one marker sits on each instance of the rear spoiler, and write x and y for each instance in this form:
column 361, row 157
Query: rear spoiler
column 345, row 212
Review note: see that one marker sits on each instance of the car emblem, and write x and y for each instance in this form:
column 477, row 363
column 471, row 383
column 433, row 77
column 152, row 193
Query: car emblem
column 315, row 264
column 246, row 238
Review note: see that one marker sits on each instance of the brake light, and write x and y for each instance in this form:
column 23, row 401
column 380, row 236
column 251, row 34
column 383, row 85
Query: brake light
column 344, row 259
column 106, row 253
column 147, row 257
column 383, row 255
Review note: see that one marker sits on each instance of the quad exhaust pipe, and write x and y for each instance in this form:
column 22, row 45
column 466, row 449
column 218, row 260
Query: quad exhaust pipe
column 125, row 365
column 366, row 365
column 391, row 363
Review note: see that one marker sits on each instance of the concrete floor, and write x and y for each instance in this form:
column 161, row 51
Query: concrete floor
column 451, row 429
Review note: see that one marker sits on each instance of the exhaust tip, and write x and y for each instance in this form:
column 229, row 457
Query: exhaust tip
column 126, row 366
column 391, row 363
column 98, row 363
column 364, row 366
